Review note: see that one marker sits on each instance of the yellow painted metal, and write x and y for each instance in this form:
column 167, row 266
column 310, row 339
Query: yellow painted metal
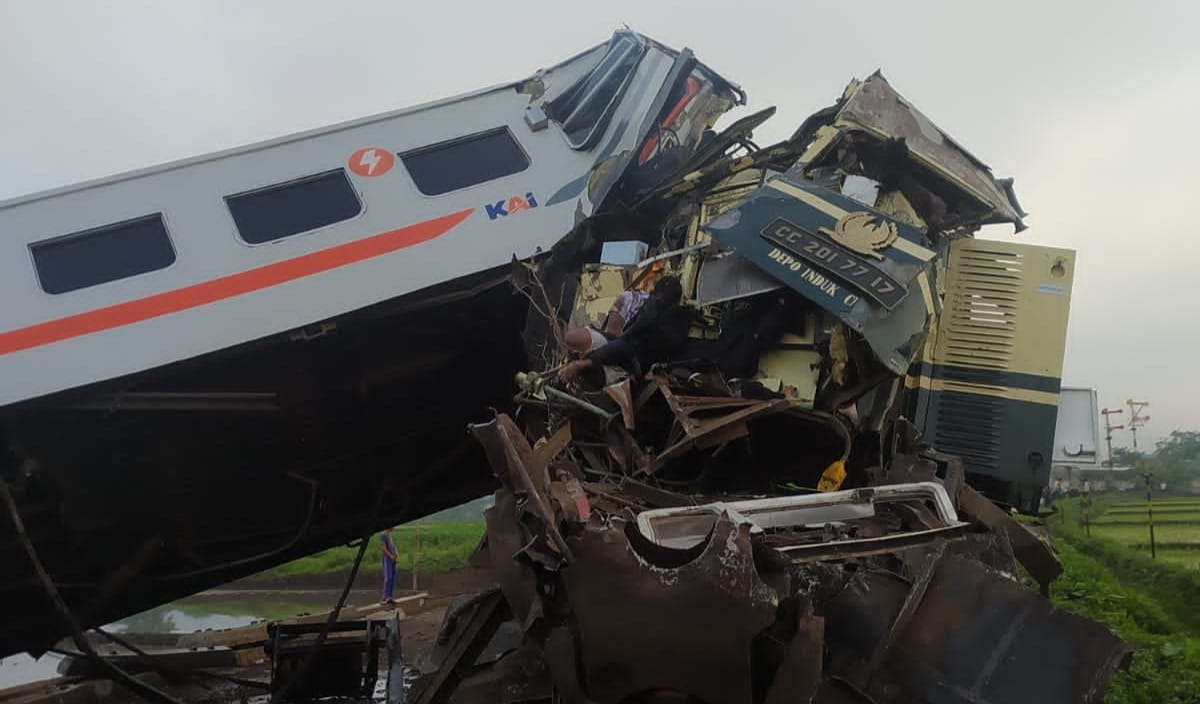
column 1006, row 307
column 795, row 371
column 599, row 286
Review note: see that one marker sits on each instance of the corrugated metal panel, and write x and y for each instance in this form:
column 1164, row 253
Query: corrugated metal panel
column 981, row 313
column 1005, row 309
column 968, row 425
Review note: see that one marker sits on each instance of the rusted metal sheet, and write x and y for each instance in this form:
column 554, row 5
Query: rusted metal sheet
column 505, row 541
column 875, row 106
column 467, row 637
column 799, row 675
column 516, row 466
column 519, row 677
column 965, row 633
column 696, row 432
column 705, row 615
column 622, row 394
column 874, row 594
column 1035, row 555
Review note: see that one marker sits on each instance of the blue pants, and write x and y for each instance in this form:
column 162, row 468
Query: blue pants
column 389, row 579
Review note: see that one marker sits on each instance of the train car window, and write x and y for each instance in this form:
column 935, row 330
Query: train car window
column 286, row 209
column 449, row 166
column 103, row 254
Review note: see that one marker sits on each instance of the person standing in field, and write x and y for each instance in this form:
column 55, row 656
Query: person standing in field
column 390, row 556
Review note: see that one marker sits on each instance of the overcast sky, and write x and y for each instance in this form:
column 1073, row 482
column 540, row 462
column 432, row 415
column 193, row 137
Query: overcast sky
column 1092, row 107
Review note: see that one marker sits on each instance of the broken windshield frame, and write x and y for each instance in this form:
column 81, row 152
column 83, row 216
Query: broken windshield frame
column 584, row 109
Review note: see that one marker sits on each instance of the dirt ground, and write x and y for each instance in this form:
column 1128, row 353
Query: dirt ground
column 436, row 583
column 418, row 632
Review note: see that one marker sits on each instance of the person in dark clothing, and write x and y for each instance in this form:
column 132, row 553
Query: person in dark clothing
column 656, row 332
column 388, row 547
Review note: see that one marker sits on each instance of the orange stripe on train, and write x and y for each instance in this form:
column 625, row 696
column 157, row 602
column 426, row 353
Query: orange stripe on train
column 249, row 281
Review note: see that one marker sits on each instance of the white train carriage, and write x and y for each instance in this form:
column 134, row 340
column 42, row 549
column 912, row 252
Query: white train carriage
column 213, row 366
column 128, row 273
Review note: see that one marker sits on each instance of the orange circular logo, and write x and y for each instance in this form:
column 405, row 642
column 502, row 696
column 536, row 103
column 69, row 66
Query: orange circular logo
column 371, row 161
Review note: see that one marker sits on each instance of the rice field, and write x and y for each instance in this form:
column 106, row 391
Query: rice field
column 1176, row 528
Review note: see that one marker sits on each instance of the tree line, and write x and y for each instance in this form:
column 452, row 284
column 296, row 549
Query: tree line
column 1176, row 458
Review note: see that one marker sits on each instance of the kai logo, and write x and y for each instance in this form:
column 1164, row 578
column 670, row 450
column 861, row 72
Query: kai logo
column 512, row 206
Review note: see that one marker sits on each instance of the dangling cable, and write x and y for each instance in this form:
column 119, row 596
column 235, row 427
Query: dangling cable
column 134, row 685
column 280, row 695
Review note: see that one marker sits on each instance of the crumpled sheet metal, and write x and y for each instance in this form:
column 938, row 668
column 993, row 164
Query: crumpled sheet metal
column 799, row 675
column 714, row 430
column 686, row 628
column 524, row 472
column 975, row 635
column 894, row 609
column 876, row 107
column 505, row 540
column 888, row 300
column 1035, row 555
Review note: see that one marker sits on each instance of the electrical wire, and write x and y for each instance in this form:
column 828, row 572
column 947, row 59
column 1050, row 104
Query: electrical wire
column 121, row 677
column 280, row 694
column 312, row 505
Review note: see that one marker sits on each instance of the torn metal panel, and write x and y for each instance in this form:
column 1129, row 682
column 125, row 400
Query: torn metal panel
column 716, row 430
column 1031, row 551
column 546, row 449
column 622, row 394
column 874, row 106
column 689, row 100
column 867, row 269
column 466, row 641
column 514, row 462
column 563, row 662
column 617, row 592
column 584, row 109
column 799, row 675
column 505, row 540
column 728, row 277
column 517, row 677
column 976, row 635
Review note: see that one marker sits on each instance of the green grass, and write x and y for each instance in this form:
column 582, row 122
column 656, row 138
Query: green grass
column 1159, row 507
column 1189, row 557
column 1150, row 604
column 1176, row 527
column 1140, row 519
column 443, row 547
column 1181, row 533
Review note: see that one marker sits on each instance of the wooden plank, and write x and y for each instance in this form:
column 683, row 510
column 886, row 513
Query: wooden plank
column 254, row 635
column 77, row 664
column 248, row 636
column 61, row 690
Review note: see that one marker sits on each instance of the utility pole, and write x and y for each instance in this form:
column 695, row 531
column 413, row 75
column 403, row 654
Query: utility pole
column 1136, row 419
column 1108, row 428
column 1087, row 507
column 416, row 553
column 1150, row 515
